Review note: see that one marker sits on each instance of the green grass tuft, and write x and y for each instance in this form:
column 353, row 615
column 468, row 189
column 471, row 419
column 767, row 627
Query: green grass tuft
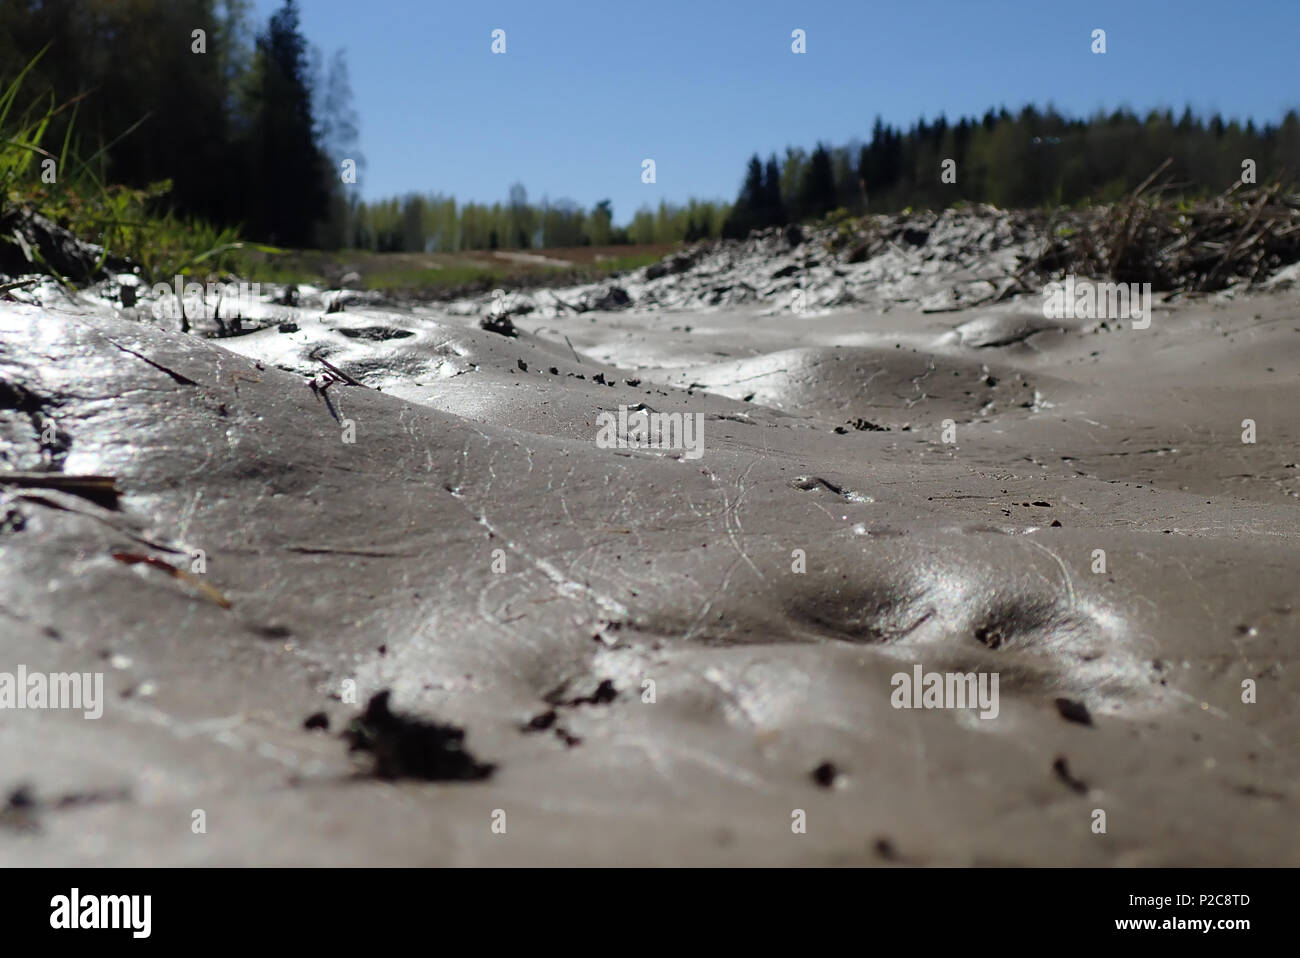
column 126, row 222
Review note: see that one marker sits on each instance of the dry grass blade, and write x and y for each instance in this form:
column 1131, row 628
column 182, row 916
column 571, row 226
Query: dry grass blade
column 1246, row 233
column 340, row 373
column 1237, row 243
column 207, row 591
column 101, row 490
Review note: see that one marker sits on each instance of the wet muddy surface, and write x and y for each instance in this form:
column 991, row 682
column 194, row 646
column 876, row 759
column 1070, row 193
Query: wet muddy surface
column 656, row 659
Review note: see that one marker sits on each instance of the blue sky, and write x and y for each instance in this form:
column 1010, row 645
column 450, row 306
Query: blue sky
column 587, row 90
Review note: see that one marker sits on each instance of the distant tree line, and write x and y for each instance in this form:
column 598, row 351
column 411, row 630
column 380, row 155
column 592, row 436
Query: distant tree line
column 249, row 126
column 437, row 223
column 1033, row 158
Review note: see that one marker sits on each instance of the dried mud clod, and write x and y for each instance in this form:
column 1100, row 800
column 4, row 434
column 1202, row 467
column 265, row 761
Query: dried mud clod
column 546, row 722
column 1073, row 711
column 21, row 812
column 501, row 325
column 605, row 693
column 826, row 774
column 541, row 722
column 406, row 746
column 1061, row 768
column 885, row 849
column 866, row 425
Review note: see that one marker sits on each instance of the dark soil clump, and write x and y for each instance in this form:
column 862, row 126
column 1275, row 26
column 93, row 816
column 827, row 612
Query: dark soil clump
column 405, row 746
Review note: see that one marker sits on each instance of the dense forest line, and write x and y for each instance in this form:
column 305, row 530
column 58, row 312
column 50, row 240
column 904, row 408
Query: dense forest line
column 1029, row 159
column 254, row 128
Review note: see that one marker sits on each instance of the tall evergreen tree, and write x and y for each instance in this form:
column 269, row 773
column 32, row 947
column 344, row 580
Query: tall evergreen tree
column 289, row 178
column 602, row 221
column 817, row 192
column 773, row 206
column 747, row 212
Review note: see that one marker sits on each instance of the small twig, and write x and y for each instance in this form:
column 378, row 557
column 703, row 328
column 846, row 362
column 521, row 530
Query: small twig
column 101, row 490
column 1237, row 243
column 337, row 372
column 567, row 306
column 574, row 351
column 183, row 380
column 185, row 320
column 1151, row 179
column 208, row 592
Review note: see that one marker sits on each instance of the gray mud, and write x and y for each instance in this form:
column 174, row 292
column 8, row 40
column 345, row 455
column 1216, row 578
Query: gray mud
column 475, row 552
